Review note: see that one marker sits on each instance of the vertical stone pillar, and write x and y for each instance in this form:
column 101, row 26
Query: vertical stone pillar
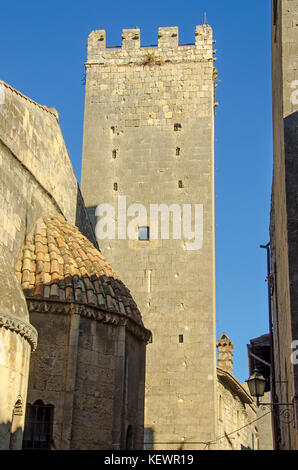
column 70, row 381
column 225, row 353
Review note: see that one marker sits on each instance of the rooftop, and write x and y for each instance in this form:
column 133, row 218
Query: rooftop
column 58, row 263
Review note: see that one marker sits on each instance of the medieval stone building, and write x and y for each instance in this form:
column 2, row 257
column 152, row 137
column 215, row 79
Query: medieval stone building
column 241, row 425
column 72, row 339
column 284, row 219
column 85, row 389
column 149, row 128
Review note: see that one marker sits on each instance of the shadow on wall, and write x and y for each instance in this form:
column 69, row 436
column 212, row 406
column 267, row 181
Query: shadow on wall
column 291, row 166
column 84, row 222
column 10, row 440
column 290, row 129
column 148, row 438
column 291, row 153
column 291, row 141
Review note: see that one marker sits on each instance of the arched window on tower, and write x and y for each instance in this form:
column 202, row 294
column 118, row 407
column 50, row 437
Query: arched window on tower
column 38, row 429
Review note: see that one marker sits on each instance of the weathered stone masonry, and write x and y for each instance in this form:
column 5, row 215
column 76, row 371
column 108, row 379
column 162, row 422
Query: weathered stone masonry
column 90, row 358
column 149, row 129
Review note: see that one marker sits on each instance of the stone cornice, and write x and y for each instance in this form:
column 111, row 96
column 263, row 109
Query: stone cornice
column 229, row 380
column 93, row 313
column 20, row 327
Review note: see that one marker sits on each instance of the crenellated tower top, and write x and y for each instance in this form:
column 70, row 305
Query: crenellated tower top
column 168, row 46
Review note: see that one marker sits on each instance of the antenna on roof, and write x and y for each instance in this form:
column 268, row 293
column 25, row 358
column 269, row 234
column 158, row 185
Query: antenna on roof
column 205, row 18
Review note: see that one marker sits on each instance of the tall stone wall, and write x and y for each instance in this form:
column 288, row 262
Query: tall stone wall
column 36, row 177
column 36, row 174
column 284, row 213
column 149, row 128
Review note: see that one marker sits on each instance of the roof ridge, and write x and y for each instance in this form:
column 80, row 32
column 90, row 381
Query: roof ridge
column 45, row 108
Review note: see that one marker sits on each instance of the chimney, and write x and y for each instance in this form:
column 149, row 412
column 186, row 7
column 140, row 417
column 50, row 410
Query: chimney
column 225, row 353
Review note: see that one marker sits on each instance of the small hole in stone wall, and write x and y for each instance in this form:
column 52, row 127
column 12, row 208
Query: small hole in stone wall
column 177, row 126
column 177, row 150
column 180, row 184
column 115, row 186
column 114, row 153
column 180, row 338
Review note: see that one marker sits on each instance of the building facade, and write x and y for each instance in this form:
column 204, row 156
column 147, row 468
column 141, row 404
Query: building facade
column 60, row 299
column 284, row 217
column 241, row 424
column 236, row 408
column 149, row 128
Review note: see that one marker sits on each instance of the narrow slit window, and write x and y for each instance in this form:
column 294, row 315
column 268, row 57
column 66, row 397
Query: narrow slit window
column 144, row 233
column 180, row 184
column 114, row 153
column 177, row 150
column 180, row 338
column 115, row 186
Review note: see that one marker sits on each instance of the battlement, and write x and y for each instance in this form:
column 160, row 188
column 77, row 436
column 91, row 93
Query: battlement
column 168, row 43
column 168, row 37
column 131, row 38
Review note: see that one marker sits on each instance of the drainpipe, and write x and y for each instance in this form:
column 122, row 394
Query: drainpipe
column 272, row 375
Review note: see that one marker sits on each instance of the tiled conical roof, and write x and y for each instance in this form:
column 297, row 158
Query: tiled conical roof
column 58, row 263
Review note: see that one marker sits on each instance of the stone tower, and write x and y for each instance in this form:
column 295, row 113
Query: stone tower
column 149, row 129
column 225, row 353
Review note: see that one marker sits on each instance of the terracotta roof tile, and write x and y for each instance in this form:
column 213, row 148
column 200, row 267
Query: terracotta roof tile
column 58, row 263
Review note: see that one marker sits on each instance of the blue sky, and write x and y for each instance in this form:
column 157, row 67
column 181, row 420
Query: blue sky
column 43, row 50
